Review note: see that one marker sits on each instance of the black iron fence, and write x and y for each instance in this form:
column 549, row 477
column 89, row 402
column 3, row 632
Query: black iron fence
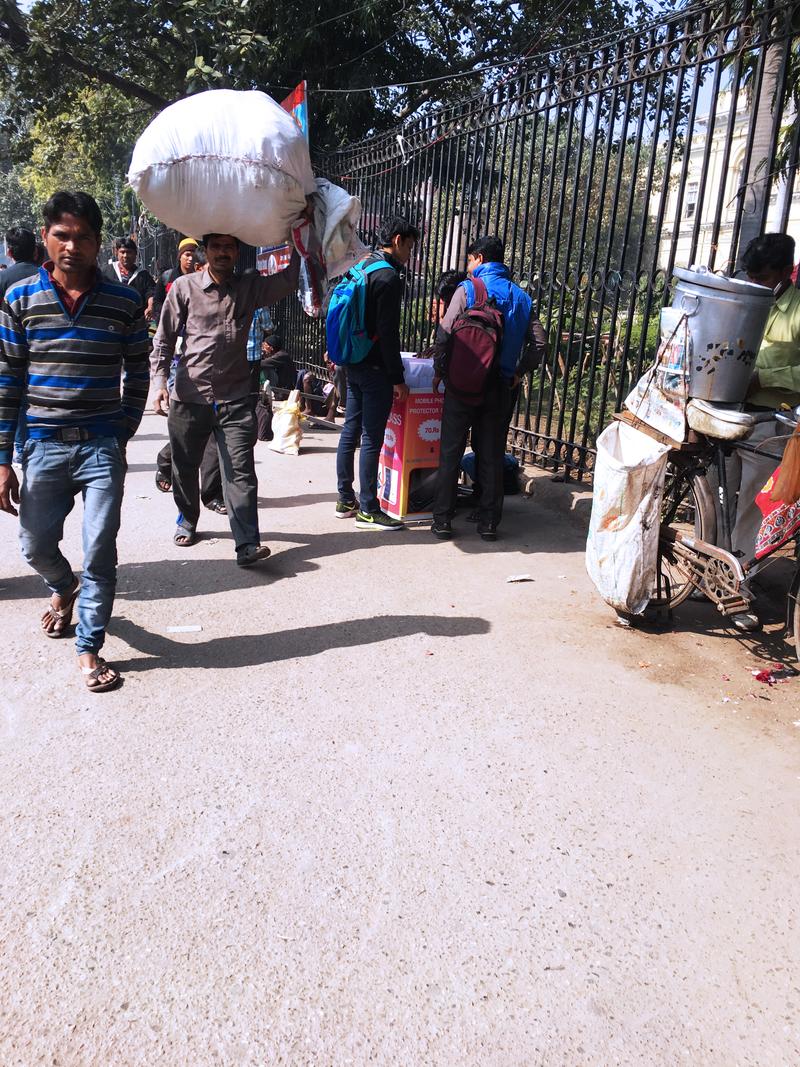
column 601, row 168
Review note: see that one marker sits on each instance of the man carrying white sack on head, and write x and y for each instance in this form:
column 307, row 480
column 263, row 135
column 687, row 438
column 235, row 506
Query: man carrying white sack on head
column 211, row 392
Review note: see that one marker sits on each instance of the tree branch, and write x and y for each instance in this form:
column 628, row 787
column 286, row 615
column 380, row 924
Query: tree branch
column 15, row 34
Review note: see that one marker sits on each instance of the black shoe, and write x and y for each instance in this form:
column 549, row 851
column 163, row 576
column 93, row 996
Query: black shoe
column 487, row 531
column 251, row 554
column 746, row 622
column 442, row 530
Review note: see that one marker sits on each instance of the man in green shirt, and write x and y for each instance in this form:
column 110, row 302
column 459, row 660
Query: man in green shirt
column 768, row 260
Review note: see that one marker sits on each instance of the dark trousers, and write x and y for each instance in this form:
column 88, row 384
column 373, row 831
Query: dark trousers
column 488, row 425
column 210, row 476
column 233, row 427
column 369, row 401
column 511, row 403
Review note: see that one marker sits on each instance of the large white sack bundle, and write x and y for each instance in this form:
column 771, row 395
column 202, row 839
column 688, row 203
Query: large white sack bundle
column 224, row 162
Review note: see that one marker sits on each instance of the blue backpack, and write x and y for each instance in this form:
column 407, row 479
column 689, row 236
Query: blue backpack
column 345, row 323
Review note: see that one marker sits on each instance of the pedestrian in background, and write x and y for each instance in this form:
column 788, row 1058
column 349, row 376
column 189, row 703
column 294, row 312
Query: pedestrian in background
column 188, row 250
column 21, row 248
column 373, row 383
column 210, row 474
column 261, row 326
column 125, row 271
column 523, row 341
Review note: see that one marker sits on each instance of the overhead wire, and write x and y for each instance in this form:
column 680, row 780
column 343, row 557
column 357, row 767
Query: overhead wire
column 598, row 40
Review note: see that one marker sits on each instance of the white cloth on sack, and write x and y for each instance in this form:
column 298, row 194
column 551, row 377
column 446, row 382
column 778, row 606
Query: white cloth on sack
column 224, row 161
column 336, row 218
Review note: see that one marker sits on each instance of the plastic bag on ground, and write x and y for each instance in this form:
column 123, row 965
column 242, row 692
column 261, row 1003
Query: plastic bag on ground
column 660, row 396
column 286, row 429
column 622, row 548
column 224, row 161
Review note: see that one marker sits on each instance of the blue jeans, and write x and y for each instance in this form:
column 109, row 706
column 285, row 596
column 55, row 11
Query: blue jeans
column 369, row 401
column 54, row 472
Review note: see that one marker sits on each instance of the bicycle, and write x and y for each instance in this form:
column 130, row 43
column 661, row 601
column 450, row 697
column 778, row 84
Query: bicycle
column 695, row 538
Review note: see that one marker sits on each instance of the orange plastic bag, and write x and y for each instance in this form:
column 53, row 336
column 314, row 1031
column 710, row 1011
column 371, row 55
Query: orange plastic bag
column 787, row 477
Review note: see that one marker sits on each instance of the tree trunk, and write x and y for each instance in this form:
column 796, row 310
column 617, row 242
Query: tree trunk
column 756, row 181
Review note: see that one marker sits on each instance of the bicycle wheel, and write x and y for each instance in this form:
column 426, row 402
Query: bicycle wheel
column 796, row 625
column 687, row 506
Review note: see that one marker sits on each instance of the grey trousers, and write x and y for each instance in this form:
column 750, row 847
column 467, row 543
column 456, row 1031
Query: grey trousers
column 748, row 473
column 234, row 428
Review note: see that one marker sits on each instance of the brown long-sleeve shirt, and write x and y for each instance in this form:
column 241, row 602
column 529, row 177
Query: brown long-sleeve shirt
column 214, row 318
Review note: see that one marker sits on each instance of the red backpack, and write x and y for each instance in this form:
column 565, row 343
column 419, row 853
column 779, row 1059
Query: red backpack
column 473, row 348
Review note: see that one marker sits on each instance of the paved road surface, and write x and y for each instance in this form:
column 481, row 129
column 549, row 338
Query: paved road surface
column 386, row 808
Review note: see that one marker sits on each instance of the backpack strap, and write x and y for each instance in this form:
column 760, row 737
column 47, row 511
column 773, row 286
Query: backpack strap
column 376, row 265
column 481, row 292
column 477, row 293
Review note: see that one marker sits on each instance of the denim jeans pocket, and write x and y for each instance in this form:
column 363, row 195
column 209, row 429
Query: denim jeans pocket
column 27, row 450
column 109, row 448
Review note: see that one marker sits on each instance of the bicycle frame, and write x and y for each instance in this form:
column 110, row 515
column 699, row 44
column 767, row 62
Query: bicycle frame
column 714, row 568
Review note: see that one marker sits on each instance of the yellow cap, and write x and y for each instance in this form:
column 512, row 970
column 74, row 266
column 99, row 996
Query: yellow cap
column 187, row 242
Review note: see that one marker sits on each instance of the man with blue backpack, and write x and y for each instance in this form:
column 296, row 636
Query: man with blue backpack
column 488, row 339
column 363, row 335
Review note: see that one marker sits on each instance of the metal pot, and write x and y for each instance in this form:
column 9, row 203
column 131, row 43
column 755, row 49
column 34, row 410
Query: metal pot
column 726, row 319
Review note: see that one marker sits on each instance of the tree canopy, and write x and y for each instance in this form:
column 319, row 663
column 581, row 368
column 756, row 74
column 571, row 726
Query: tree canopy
column 81, row 78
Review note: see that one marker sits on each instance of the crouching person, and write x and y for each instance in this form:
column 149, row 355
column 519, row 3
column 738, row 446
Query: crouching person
column 72, row 335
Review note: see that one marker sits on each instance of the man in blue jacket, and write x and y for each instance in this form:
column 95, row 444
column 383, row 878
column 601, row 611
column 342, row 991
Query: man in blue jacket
column 522, row 346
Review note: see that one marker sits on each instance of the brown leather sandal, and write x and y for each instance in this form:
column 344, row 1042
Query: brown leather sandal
column 92, row 677
column 56, row 621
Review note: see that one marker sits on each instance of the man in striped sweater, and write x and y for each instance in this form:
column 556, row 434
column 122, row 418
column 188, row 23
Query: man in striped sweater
column 67, row 337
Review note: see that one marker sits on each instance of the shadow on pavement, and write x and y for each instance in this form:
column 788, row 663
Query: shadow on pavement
column 297, row 501
column 251, row 650
column 185, row 574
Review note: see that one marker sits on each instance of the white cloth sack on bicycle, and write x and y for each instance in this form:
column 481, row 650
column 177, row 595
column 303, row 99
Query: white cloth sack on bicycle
column 660, row 396
column 224, row 161
column 622, row 548
column 286, row 428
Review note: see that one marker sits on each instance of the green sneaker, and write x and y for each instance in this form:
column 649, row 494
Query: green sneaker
column 377, row 520
column 346, row 509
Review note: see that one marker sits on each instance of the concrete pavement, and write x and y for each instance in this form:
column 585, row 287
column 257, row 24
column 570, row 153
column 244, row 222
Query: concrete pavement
column 385, row 808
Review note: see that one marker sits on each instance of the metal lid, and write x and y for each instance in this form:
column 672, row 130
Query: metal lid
column 703, row 276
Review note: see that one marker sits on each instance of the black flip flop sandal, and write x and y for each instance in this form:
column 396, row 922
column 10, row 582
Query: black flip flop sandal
column 163, row 485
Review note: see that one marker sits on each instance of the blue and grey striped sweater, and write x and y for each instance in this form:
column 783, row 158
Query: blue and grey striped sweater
column 69, row 366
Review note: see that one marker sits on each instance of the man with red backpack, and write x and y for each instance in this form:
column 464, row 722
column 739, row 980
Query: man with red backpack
column 488, row 339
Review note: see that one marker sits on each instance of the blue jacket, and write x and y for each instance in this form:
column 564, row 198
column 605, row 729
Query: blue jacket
column 515, row 305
